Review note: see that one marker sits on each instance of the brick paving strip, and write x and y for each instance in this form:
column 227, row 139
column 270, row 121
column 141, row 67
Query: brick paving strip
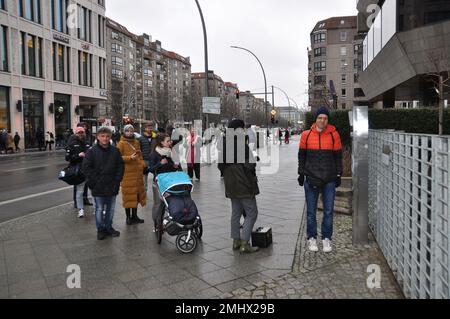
column 342, row 274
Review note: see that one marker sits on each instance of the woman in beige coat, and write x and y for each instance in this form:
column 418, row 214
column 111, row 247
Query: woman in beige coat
column 133, row 191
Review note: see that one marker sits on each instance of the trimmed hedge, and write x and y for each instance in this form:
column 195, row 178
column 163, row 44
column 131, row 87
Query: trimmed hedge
column 421, row 121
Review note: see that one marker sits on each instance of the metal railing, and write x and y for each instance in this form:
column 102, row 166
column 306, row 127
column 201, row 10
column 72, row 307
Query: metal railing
column 409, row 209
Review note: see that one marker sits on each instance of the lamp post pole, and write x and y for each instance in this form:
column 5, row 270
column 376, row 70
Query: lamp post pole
column 288, row 99
column 265, row 81
column 205, row 36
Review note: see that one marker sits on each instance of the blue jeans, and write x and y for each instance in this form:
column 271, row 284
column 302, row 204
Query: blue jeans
column 312, row 197
column 108, row 204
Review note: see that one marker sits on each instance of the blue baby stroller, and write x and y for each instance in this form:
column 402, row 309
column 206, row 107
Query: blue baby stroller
column 181, row 216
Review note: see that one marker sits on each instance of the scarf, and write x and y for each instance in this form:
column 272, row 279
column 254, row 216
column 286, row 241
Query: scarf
column 167, row 152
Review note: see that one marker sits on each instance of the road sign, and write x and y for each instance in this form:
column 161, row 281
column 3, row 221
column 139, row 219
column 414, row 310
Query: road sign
column 211, row 105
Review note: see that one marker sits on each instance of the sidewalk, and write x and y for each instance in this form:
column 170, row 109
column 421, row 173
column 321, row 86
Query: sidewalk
column 339, row 275
column 36, row 250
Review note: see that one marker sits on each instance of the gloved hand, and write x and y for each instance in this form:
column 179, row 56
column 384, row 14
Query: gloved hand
column 301, row 180
column 338, row 181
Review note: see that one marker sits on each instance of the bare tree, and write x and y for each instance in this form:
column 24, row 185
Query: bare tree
column 440, row 77
column 323, row 94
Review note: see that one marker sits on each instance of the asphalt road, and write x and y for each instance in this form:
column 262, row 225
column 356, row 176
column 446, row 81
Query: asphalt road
column 30, row 184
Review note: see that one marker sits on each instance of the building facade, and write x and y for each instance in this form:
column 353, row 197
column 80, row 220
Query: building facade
column 147, row 83
column 405, row 51
column 53, row 70
column 122, row 73
column 333, row 63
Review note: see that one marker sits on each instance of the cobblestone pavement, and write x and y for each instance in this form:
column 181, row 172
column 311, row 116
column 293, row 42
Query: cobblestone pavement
column 342, row 274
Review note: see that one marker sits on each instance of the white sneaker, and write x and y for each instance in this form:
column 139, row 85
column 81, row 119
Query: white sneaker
column 81, row 213
column 327, row 248
column 312, row 245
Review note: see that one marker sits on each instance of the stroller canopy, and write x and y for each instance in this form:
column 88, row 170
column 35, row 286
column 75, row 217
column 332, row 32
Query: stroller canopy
column 169, row 180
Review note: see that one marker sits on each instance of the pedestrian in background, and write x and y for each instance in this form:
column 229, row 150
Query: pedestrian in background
column 17, row 141
column 133, row 190
column 320, row 171
column 103, row 168
column 241, row 186
column 75, row 154
column 193, row 146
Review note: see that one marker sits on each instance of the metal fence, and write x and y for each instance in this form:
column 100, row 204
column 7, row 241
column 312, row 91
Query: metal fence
column 409, row 209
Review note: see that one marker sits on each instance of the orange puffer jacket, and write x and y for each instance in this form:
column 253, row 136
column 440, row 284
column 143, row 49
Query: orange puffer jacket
column 320, row 154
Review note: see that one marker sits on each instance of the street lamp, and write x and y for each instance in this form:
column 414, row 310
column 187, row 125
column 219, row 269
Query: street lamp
column 265, row 81
column 205, row 36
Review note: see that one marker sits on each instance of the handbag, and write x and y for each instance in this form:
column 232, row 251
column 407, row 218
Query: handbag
column 315, row 182
column 72, row 175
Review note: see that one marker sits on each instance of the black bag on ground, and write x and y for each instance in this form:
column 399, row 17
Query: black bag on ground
column 182, row 208
column 72, row 175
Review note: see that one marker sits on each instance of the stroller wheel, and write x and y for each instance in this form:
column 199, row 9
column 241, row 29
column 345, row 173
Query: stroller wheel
column 199, row 229
column 186, row 242
column 158, row 233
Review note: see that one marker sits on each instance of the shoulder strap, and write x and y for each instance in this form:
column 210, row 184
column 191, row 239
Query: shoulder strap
column 307, row 139
column 134, row 148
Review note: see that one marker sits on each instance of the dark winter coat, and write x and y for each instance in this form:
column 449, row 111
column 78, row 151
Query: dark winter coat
column 146, row 146
column 103, row 169
column 74, row 148
column 320, row 154
column 240, row 178
column 157, row 168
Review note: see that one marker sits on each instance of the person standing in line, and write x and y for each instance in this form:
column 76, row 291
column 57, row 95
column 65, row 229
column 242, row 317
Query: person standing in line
column 75, row 154
column 193, row 145
column 133, row 190
column 160, row 162
column 103, row 168
column 241, row 185
column 320, row 171
column 146, row 140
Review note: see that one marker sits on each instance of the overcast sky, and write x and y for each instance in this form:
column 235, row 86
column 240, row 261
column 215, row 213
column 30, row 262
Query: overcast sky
column 277, row 31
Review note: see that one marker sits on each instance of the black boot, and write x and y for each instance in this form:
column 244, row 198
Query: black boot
column 135, row 217
column 128, row 213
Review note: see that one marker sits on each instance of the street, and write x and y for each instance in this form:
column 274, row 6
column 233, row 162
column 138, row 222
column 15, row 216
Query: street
column 30, row 184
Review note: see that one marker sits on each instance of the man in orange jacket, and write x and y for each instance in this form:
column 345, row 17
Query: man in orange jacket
column 320, row 171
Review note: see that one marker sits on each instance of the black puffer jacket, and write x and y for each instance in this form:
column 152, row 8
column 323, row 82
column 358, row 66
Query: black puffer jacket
column 155, row 166
column 104, row 169
column 74, row 148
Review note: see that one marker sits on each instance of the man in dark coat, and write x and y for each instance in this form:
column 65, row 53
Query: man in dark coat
column 103, row 168
column 238, row 167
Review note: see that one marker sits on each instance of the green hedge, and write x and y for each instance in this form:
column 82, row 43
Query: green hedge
column 422, row 121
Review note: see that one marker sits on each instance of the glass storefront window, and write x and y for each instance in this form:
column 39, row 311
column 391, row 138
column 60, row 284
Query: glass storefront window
column 33, row 117
column 62, row 118
column 4, row 109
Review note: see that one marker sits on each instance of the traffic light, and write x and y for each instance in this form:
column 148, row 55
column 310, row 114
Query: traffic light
column 238, row 93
